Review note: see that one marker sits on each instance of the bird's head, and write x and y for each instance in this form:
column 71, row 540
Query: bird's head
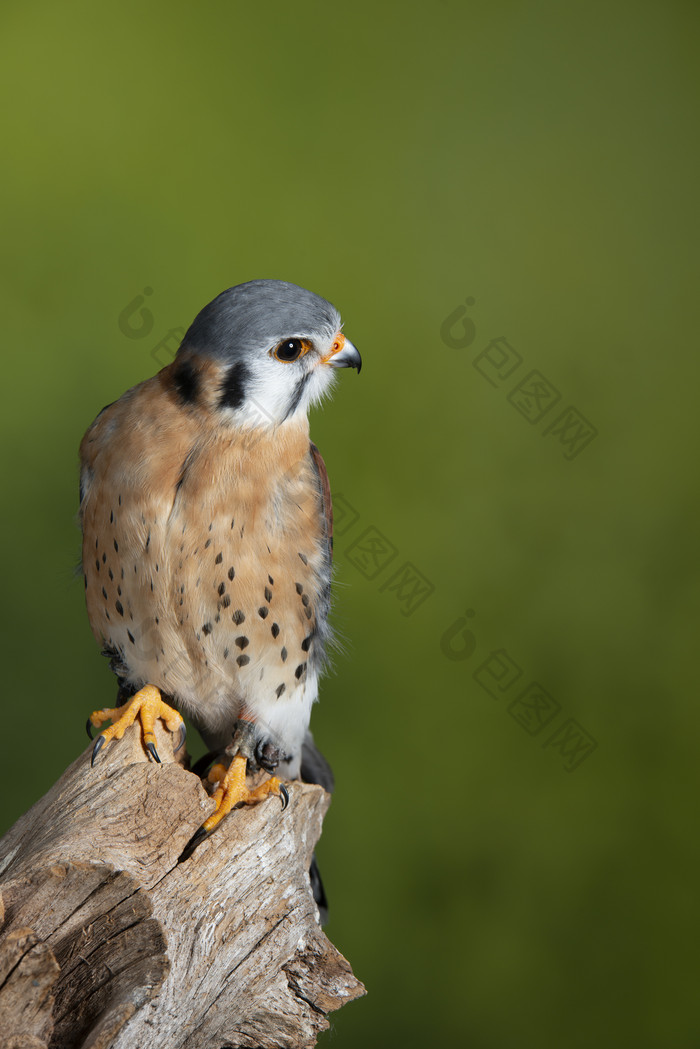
column 273, row 348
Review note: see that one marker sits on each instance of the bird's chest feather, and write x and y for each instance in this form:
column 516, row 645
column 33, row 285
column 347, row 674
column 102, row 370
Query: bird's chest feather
column 206, row 571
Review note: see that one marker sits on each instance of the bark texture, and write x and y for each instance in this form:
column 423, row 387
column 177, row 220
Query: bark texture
column 107, row 940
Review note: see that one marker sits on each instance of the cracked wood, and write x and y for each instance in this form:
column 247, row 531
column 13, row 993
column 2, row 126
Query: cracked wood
column 106, row 940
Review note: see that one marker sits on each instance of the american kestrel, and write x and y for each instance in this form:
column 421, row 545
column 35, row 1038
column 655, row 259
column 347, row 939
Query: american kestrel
column 207, row 534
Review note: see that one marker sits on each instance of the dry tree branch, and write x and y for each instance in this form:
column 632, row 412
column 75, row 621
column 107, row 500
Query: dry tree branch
column 107, row 940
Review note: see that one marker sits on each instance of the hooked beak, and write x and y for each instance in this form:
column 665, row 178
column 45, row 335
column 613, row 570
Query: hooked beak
column 343, row 354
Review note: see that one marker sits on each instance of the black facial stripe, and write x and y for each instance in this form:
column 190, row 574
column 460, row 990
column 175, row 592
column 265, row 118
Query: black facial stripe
column 298, row 393
column 233, row 387
column 186, row 382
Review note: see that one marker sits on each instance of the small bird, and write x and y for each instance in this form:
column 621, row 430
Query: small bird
column 207, row 537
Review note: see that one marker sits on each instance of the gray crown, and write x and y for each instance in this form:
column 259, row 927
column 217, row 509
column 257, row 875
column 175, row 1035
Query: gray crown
column 257, row 314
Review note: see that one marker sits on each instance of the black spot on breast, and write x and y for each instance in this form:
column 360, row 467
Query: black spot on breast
column 283, row 653
column 305, row 600
column 85, row 578
column 111, row 574
column 116, row 547
column 263, row 612
column 238, row 617
column 268, row 594
column 299, row 588
column 304, row 559
column 243, row 661
column 104, row 559
column 104, row 592
column 225, row 601
column 299, row 670
column 207, row 629
column 222, row 589
column 274, row 628
column 231, row 573
column 131, row 637
column 270, row 580
column 306, row 643
column 119, row 607
column 206, row 545
column 308, row 613
column 97, row 564
column 119, row 591
column 225, row 653
column 232, row 389
column 242, row 642
column 186, row 382
column 218, row 559
column 279, row 690
column 148, row 540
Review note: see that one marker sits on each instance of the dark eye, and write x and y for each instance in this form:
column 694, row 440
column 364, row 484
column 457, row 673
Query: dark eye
column 290, row 349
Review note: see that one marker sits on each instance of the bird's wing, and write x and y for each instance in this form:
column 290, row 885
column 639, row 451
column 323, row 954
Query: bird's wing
column 322, row 473
column 314, row 767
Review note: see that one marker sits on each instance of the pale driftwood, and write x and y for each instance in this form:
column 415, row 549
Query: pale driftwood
column 108, row 941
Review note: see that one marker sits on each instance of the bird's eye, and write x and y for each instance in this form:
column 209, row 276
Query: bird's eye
column 290, row 349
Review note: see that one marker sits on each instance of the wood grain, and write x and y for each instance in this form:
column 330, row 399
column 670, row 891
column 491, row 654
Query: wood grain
column 107, row 940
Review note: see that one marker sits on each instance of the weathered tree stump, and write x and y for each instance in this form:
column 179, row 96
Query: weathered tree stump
column 107, row 940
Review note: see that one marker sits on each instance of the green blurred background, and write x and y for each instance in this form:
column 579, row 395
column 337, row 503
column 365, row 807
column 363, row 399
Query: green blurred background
column 399, row 159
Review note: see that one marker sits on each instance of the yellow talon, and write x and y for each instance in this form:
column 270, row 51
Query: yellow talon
column 147, row 706
column 232, row 790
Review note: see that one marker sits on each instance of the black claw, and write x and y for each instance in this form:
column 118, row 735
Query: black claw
column 267, row 756
column 284, row 796
column 151, row 748
column 99, row 744
column 88, row 728
column 183, row 737
column 196, row 839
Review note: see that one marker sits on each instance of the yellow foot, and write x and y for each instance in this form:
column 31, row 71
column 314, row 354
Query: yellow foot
column 232, row 790
column 147, row 706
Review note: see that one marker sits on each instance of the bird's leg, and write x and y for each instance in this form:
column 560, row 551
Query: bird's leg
column 231, row 789
column 147, row 706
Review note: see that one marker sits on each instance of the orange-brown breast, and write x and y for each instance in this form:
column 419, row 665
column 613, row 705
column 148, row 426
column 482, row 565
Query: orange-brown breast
column 204, row 553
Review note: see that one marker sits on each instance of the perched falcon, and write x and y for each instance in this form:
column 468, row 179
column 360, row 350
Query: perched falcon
column 207, row 534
